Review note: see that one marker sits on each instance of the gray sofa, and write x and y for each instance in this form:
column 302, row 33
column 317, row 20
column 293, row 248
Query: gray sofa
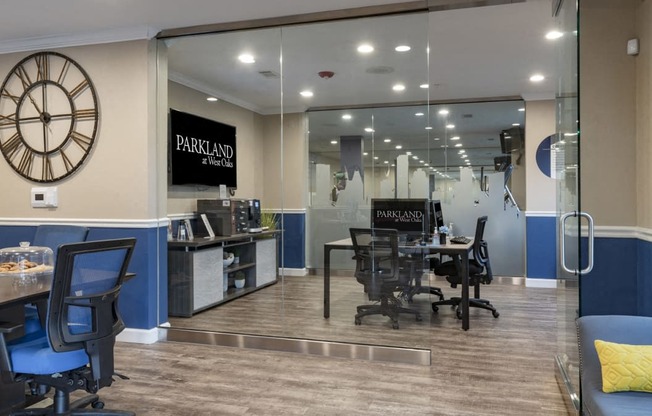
column 636, row 330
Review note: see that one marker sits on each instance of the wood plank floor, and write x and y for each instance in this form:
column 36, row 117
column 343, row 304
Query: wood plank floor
column 501, row 366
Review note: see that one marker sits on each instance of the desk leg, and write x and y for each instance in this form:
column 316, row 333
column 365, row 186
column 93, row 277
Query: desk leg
column 327, row 281
column 465, row 290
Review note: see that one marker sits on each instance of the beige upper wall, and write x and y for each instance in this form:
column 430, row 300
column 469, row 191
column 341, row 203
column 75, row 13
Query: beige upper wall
column 539, row 124
column 113, row 182
column 249, row 137
column 608, row 112
column 289, row 191
column 643, row 114
column 258, row 156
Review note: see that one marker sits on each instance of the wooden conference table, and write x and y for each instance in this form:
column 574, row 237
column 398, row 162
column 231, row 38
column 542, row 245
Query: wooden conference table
column 459, row 252
column 13, row 297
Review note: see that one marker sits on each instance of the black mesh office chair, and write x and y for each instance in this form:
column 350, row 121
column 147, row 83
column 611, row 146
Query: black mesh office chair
column 479, row 273
column 82, row 323
column 378, row 270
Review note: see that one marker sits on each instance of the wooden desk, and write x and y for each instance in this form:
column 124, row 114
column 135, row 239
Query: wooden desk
column 457, row 251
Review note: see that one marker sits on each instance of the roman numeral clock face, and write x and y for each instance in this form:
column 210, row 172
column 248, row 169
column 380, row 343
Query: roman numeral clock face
column 48, row 117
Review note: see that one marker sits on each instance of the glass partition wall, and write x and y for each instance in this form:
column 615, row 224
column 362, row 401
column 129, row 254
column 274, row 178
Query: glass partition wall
column 330, row 116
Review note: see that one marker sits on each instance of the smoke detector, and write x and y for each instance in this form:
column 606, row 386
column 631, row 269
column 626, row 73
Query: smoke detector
column 326, row 74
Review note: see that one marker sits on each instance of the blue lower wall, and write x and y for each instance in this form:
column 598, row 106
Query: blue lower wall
column 293, row 247
column 138, row 300
column 619, row 283
column 541, row 240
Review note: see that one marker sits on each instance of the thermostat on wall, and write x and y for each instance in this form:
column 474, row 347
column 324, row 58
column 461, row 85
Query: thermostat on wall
column 45, row 197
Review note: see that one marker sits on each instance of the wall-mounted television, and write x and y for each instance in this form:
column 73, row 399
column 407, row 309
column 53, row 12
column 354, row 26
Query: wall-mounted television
column 201, row 152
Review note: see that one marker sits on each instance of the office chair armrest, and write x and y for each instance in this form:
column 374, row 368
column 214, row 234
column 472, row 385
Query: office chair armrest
column 5, row 363
column 9, row 327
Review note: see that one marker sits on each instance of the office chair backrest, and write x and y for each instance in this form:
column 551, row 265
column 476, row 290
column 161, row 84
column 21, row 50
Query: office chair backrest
column 83, row 305
column 377, row 258
column 53, row 235
column 480, row 248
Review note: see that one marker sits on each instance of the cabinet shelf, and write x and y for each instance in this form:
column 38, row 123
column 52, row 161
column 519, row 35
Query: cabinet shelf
column 196, row 273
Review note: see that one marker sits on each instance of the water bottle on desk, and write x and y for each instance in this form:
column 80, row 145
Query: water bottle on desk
column 450, row 230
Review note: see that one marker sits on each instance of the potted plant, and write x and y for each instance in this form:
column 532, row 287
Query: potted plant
column 236, row 254
column 268, row 221
column 239, row 279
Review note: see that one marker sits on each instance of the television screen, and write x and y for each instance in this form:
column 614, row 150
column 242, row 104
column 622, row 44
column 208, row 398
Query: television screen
column 202, row 151
column 408, row 216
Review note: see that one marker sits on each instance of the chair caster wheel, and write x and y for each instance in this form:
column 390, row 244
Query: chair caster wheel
column 441, row 297
column 98, row 405
column 358, row 321
column 395, row 325
column 495, row 314
column 419, row 318
column 458, row 313
column 435, row 308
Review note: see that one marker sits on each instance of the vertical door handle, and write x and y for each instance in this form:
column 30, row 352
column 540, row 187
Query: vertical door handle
column 562, row 245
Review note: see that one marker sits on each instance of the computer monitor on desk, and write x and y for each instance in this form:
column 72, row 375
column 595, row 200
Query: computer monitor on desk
column 411, row 217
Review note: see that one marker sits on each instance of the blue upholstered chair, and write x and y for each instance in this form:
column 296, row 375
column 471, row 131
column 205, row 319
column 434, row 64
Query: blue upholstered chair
column 51, row 236
column 82, row 323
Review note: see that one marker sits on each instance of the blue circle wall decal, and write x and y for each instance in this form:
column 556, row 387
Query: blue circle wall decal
column 543, row 156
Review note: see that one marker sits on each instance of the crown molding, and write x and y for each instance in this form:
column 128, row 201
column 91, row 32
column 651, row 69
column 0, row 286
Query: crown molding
column 78, row 39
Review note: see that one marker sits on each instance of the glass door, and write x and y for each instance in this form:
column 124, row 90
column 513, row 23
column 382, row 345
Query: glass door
column 571, row 221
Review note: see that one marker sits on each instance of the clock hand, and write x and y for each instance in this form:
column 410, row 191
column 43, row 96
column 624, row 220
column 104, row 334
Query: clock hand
column 33, row 102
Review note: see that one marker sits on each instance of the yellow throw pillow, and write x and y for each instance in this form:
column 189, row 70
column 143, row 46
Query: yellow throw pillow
column 625, row 367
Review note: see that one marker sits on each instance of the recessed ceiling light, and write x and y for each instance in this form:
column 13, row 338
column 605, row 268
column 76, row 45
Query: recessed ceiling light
column 399, row 147
column 211, row 99
column 365, row 48
column 333, row 141
column 375, row 157
column 408, row 153
column 521, row 109
column 415, row 158
column 399, row 87
column 365, row 154
column 464, row 156
column 346, row 116
column 421, row 161
column 458, row 145
column 387, row 140
column 306, row 93
column 428, row 128
column 443, row 112
column 386, row 162
column 455, row 138
column 554, row 34
column 462, row 151
column 246, row 58
column 424, row 86
column 450, row 126
column 516, row 124
column 436, row 139
column 402, row 48
column 537, row 78
column 419, row 114
column 369, row 130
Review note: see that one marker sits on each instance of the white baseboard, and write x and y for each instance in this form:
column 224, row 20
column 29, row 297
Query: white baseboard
column 543, row 283
column 292, row 272
column 142, row 336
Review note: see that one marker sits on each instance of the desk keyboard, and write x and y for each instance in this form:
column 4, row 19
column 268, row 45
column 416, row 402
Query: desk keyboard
column 460, row 240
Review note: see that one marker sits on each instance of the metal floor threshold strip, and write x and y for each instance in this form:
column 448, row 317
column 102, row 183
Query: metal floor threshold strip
column 302, row 346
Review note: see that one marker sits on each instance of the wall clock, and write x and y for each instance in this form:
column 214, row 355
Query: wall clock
column 48, row 117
